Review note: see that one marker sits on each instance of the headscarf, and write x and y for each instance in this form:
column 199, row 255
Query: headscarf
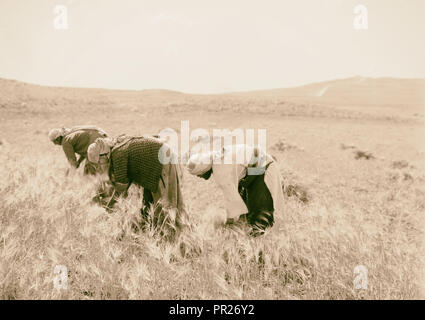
column 56, row 133
column 199, row 163
column 99, row 147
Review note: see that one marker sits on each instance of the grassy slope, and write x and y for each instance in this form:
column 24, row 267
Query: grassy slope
column 367, row 212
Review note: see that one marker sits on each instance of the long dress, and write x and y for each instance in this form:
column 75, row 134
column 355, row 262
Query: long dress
column 234, row 165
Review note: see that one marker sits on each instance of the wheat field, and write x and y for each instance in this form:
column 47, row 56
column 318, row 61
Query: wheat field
column 354, row 195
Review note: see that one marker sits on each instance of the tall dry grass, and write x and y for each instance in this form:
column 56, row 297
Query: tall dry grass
column 47, row 219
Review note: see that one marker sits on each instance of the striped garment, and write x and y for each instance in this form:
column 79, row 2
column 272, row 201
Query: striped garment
column 136, row 161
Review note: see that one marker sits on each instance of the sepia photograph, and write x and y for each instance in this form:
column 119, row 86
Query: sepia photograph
column 196, row 150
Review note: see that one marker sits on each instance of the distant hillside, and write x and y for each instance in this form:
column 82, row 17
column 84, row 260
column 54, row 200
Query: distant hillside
column 20, row 95
column 14, row 87
column 355, row 91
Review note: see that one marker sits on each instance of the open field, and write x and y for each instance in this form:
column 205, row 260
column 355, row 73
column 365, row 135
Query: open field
column 358, row 210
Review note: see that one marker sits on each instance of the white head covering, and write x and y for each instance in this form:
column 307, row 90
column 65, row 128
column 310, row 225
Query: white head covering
column 98, row 147
column 199, row 163
column 56, row 133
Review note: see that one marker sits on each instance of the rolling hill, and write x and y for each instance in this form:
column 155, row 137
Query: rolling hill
column 355, row 91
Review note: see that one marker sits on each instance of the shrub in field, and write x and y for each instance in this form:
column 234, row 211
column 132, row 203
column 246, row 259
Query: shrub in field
column 358, row 154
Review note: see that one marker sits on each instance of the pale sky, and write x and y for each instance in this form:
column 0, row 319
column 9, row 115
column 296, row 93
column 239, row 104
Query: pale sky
column 208, row 46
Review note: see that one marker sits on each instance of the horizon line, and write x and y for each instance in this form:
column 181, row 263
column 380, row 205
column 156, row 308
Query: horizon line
column 216, row 93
